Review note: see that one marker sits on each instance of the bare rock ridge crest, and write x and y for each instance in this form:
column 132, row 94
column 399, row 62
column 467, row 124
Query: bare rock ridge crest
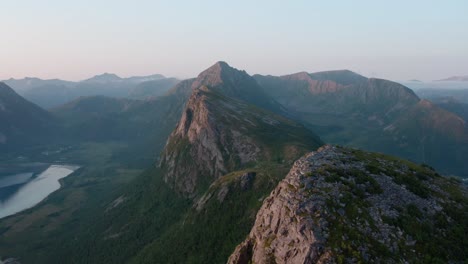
column 338, row 204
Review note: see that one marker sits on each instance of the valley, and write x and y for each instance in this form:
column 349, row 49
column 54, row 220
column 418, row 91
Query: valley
column 238, row 132
column 199, row 162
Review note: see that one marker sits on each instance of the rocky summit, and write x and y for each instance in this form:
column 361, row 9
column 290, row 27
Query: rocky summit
column 340, row 205
column 218, row 134
column 224, row 128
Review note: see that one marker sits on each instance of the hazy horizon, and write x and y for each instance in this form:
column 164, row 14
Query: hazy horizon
column 398, row 40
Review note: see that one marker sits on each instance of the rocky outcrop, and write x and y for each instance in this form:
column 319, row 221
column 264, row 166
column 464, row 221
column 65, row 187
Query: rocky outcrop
column 339, row 205
column 225, row 125
column 219, row 134
column 202, row 145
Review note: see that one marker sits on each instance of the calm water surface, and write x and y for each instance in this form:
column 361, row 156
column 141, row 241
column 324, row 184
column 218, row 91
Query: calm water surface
column 34, row 191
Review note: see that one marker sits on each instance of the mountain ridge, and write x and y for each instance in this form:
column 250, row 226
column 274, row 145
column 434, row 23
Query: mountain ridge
column 366, row 113
column 54, row 92
column 339, row 204
column 223, row 156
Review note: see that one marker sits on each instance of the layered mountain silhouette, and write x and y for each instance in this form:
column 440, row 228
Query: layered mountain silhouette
column 55, row 92
column 226, row 152
column 221, row 186
column 346, row 108
column 455, row 79
column 21, row 86
column 143, row 125
column 154, row 88
column 111, row 77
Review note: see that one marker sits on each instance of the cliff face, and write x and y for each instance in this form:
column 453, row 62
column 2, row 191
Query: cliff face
column 202, row 145
column 338, row 204
column 219, row 134
column 228, row 122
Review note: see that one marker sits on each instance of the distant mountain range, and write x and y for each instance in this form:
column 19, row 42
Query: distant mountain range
column 374, row 114
column 54, row 92
column 341, row 106
column 454, row 79
column 110, row 77
column 153, row 88
column 220, row 189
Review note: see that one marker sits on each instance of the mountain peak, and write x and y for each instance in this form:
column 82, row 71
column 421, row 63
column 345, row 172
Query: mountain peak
column 221, row 64
column 218, row 134
column 105, row 77
column 218, row 73
column 343, row 77
column 231, row 82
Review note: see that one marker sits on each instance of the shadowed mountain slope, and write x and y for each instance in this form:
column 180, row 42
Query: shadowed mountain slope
column 22, row 122
column 346, row 108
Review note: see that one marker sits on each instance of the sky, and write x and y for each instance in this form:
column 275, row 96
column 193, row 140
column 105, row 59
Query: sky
column 74, row 40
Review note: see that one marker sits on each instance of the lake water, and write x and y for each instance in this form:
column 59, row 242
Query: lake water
column 33, row 191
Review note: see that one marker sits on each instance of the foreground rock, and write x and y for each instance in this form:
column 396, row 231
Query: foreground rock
column 339, row 205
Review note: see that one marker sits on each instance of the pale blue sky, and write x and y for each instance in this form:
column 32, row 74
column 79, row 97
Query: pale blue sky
column 73, row 40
